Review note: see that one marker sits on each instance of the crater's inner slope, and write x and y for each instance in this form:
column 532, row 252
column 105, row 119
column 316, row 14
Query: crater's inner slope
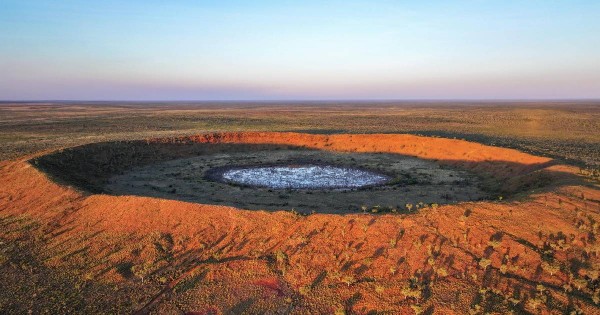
column 193, row 168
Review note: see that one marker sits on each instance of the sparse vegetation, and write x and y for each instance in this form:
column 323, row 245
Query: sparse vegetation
column 67, row 251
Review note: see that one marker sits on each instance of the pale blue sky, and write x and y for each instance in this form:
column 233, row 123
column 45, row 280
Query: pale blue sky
column 220, row 50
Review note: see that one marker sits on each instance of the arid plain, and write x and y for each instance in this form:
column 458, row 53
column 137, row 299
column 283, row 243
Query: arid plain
column 500, row 215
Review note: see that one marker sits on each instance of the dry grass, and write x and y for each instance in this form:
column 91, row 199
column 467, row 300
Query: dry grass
column 564, row 130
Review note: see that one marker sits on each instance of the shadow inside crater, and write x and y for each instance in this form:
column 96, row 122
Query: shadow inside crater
column 178, row 171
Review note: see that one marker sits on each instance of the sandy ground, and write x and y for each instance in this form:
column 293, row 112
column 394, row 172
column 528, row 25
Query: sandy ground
column 536, row 251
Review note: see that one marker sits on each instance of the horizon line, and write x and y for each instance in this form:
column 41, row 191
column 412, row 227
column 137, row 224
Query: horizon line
column 596, row 99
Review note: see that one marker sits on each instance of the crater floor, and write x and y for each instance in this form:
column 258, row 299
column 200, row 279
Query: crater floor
column 390, row 181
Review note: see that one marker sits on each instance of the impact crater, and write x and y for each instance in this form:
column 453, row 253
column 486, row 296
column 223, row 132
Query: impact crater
column 306, row 173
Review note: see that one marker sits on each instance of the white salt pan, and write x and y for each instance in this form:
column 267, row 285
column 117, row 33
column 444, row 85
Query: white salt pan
column 307, row 177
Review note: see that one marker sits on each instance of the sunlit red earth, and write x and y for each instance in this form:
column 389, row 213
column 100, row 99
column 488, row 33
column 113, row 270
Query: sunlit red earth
column 532, row 249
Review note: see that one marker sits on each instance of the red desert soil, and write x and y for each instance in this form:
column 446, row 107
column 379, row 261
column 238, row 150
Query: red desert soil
column 533, row 251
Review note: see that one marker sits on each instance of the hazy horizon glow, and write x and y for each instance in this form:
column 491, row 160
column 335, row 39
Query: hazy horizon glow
column 278, row 50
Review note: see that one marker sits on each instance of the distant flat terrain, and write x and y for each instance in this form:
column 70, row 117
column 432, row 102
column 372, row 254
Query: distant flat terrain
column 565, row 130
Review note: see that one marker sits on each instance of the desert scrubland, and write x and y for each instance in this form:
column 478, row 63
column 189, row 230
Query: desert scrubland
column 564, row 129
column 499, row 214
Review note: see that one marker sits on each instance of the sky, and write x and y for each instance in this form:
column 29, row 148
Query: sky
column 299, row 50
